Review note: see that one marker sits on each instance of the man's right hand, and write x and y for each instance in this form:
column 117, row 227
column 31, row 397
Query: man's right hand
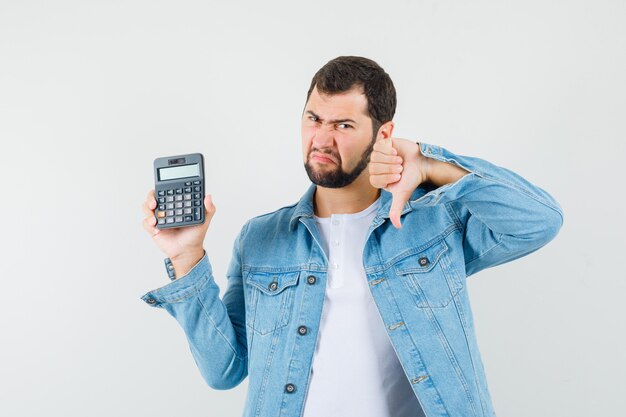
column 184, row 245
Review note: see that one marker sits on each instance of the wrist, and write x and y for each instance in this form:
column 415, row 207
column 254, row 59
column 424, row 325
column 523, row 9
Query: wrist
column 424, row 165
column 185, row 261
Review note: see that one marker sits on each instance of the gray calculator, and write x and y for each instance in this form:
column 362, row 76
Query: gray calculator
column 179, row 190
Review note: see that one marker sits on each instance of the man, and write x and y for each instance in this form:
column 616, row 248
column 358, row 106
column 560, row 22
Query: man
column 354, row 301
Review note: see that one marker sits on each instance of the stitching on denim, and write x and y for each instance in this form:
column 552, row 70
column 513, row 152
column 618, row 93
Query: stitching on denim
column 266, row 374
column 451, row 356
column 517, row 187
column 413, row 341
column 452, row 214
column 187, row 291
column 426, row 245
column 486, row 252
column 500, row 181
column 204, row 310
column 461, row 314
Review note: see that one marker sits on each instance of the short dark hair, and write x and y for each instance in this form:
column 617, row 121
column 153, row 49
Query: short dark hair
column 345, row 72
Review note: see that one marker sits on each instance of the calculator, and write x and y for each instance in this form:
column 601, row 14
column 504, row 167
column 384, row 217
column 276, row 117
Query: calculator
column 179, row 190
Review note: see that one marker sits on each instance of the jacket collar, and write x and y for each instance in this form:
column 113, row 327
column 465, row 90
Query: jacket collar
column 304, row 207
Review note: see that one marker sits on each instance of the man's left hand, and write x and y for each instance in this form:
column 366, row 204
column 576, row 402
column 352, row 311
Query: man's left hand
column 397, row 166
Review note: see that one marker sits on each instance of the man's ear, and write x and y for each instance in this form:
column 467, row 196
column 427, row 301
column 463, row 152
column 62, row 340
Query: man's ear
column 385, row 130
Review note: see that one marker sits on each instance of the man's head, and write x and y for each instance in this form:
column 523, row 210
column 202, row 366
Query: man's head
column 350, row 104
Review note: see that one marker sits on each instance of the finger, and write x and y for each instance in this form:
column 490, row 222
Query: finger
column 150, row 196
column 150, row 201
column 376, row 169
column 383, row 180
column 385, row 146
column 209, row 206
column 147, row 211
column 398, row 200
column 148, row 225
column 379, row 157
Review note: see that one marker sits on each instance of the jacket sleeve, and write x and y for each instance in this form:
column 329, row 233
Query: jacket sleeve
column 502, row 216
column 215, row 328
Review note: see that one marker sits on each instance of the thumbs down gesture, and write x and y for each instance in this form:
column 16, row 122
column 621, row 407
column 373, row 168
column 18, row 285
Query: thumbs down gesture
column 397, row 166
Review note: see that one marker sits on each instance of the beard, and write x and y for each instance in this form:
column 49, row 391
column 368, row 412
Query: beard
column 337, row 177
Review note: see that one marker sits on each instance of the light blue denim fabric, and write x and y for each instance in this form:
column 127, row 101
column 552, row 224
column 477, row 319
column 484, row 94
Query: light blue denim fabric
column 267, row 322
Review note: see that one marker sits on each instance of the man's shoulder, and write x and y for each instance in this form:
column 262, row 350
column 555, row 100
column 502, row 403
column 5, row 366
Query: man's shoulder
column 273, row 218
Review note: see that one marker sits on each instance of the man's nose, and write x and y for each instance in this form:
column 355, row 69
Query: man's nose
column 324, row 136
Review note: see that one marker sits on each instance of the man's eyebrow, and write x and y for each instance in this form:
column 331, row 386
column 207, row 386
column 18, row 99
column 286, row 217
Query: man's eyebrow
column 332, row 121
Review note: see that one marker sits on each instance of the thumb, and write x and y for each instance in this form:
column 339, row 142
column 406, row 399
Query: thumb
column 398, row 200
column 387, row 146
column 209, row 206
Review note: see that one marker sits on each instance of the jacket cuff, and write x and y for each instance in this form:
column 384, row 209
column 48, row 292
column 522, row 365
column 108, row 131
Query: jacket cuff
column 182, row 288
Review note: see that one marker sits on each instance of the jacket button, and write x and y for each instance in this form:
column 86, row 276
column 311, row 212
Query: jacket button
column 423, row 261
column 302, row 330
column 273, row 286
column 151, row 301
column 311, row 279
column 290, row 388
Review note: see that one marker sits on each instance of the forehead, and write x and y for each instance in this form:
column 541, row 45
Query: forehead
column 351, row 103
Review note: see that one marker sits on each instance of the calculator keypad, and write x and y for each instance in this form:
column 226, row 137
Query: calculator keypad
column 180, row 205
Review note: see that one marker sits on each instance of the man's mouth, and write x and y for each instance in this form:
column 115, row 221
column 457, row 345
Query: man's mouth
column 322, row 158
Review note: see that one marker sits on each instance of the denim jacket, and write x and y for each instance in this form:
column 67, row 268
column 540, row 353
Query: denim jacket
column 266, row 324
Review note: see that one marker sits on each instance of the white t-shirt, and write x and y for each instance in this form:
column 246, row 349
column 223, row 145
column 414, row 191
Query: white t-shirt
column 355, row 370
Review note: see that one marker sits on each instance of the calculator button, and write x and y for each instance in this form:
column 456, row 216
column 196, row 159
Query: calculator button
column 187, row 189
column 187, row 196
column 196, row 210
column 160, row 214
column 179, row 212
column 178, row 198
column 196, row 203
column 169, row 206
column 196, row 182
column 179, row 191
column 161, row 206
column 188, row 218
column 170, row 192
column 197, row 188
column 179, row 205
column 179, row 219
column 169, row 198
column 187, row 211
column 161, row 221
column 196, row 216
column 170, row 212
column 197, row 195
column 169, row 220
column 161, row 199
column 188, row 183
column 161, row 192
column 187, row 203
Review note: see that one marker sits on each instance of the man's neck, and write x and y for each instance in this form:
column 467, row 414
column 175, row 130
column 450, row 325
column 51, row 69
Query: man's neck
column 353, row 198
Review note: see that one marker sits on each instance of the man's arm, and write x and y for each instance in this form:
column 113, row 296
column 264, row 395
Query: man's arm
column 502, row 215
column 215, row 329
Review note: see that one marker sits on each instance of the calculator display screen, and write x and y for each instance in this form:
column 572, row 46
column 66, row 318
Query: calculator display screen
column 182, row 171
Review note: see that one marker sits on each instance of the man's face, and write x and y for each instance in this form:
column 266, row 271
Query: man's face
column 337, row 137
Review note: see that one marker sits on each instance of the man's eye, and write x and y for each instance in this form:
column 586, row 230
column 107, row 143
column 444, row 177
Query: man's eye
column 313, row 118
column 347, row 126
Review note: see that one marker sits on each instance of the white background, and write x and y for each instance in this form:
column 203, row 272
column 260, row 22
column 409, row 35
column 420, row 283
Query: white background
column 92, row 92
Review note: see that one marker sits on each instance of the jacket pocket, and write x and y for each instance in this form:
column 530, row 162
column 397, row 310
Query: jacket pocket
column 427, row 274
column 270, row 300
